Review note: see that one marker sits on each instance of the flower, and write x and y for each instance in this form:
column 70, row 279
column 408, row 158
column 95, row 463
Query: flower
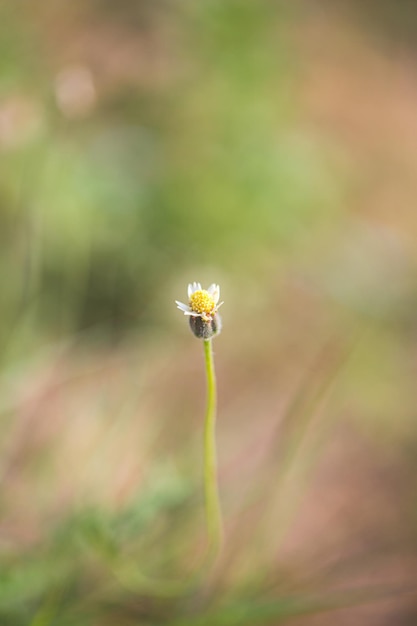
column 202, row 302
column 202, row 308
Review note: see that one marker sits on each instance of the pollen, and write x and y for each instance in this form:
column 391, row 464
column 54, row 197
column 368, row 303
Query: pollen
column 202, row 302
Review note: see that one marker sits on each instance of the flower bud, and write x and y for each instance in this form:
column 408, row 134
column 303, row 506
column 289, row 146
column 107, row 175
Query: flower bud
column 203, row 329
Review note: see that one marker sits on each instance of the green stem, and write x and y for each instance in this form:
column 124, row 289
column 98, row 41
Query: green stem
column 211, row 491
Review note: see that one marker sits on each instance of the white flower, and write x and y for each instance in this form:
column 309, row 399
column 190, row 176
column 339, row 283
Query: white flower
column 201, row 302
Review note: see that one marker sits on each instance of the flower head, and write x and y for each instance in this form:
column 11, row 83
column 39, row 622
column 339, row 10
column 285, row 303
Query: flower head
column 202, row 307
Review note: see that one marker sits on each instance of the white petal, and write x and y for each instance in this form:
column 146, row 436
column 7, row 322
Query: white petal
column 214, row 291
column 190, row 290
column 193, row 313
column 219, row 305
column 182, row 306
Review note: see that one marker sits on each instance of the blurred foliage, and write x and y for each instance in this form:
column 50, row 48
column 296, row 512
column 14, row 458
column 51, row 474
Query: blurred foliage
column 202, row 167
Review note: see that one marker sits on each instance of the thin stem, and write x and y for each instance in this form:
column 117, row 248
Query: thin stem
column 134, row 579
column 211, row 490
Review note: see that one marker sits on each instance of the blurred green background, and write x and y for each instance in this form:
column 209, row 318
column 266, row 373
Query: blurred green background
column 269, row 147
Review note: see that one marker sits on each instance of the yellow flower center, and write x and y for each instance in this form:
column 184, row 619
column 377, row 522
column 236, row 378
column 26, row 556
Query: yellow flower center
column 202, row 302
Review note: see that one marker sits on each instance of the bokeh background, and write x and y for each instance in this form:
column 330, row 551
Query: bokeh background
column 267, row 146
